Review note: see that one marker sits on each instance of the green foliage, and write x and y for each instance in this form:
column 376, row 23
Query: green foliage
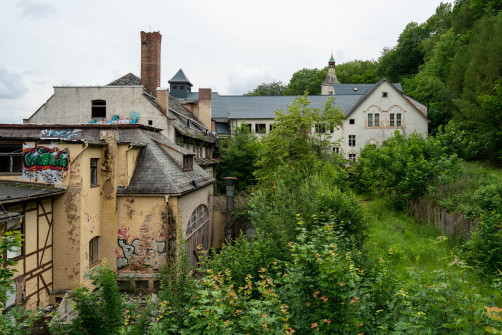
column 485, row 247
column 403, row 168
column 293, row 141
column 273, row 88
column 100, row 311
column 358, row 71
column 238, row 157
column 306, row 80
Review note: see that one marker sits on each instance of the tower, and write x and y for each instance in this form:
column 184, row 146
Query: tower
column 150, row 61
column 327, row 86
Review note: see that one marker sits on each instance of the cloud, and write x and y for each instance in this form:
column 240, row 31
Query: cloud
column 243, row 79
column 33, row 10
column 11, row 85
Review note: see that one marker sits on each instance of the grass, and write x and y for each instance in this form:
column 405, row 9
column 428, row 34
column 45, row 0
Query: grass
column 405, row 244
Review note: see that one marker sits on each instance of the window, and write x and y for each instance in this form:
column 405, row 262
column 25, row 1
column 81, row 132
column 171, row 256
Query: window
column 249, row 127
column 99, row 108
column 199, row 217
column 182, row 87
column 377, row 120
column 94, row 171
column 398, row 120
column 330, row 92
column 260, row 128
column 352, row 121
column 150, row 122
column 175, row 87
column 187, row 163
column 270, row 127
column 352, row 140
column 370, row 120
column 15, row 224
column 336, row 149
column 11, row 158
column 94, row 250
column 352, row 157
column 320, row 128
column 391, row 120
column 188, row 123
column 384, row 94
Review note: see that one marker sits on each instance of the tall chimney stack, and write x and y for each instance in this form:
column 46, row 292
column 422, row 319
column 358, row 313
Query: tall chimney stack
column 150, row 61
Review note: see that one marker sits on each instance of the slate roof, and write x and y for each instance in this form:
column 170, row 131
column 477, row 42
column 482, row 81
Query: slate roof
column 159, row 170
column 126, row 80
column 180, row 78
column 358, row 89
column 12, row 191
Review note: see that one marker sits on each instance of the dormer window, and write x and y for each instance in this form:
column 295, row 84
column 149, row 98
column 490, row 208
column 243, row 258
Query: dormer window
column 99, row 108
column 187, row 163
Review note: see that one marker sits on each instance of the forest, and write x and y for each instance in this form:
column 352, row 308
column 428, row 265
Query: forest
column 335, row 250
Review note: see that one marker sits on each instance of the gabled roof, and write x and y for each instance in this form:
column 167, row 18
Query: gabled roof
column 126, row 80
column 358, row 89
column 180, row 78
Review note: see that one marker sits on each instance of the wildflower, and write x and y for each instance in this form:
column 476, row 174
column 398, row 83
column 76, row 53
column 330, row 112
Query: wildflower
column 262, row 270
column 354, row 300
column 316, row 294
column 326, row 321
column 360, row 324
column 323, row 298
column 341, row 284
column 314, row 325
column 238, row 311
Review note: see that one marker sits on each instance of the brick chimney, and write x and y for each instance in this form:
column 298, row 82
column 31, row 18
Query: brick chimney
column 150, row 61
column 204, row 113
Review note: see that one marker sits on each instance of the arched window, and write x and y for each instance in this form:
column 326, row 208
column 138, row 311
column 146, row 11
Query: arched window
column 199, row 216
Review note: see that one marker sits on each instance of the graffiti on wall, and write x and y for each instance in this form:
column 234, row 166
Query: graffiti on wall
column 60, row 133
column 48, row 164
column 142, row 252
column 116, row 119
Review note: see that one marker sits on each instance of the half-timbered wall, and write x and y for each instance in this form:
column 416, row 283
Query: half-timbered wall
column 33, row 278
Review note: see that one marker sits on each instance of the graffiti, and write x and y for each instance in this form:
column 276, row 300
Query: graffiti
column 47, row 164
column 142, row 252
column 116, row 119
column 63, row 133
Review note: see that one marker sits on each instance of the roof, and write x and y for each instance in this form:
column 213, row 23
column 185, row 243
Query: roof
column 358, row 89
column 12, row 191
column 180, row 78
column 159, row 169
column 126, row 80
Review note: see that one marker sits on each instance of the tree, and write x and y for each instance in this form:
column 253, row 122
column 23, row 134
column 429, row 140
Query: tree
column 273, row 88
column 293, row 140
column 357, row 71
column 238, row 157
column 306, row 80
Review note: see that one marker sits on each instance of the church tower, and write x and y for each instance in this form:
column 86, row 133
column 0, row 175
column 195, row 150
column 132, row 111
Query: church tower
column 327, row 86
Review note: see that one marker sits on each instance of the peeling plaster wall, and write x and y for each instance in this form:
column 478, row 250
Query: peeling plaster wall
column 140, row 239
column 73, row 105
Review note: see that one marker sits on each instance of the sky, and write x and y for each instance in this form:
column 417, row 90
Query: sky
column 230, row 46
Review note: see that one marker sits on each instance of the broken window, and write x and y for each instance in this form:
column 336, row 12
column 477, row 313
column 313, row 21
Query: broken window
column 260, row 128
column 94, row 250
column 11, row 158
column 187, row 163
column 94, row 171
column 99, row 108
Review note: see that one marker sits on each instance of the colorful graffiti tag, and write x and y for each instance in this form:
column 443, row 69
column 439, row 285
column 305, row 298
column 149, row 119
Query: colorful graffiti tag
column 45, row 163
column 60, row 133
column 139, row 253
column 116, row 119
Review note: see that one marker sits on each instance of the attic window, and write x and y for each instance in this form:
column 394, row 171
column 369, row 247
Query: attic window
column 99, row 108
column 330, row 92
column 187, row 163
column 355, row 88
column 150, row 122
column 352, row 121
column 384, row 94
column 175, row 87
column 182, row 87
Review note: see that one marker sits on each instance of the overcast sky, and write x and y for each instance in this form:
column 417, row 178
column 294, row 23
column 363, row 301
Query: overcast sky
column 230, row 46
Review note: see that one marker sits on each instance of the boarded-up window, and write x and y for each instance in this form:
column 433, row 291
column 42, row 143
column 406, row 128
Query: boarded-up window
column 197, row 233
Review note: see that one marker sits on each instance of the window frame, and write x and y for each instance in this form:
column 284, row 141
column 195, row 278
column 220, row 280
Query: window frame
column 98, row 108
column 260, row 128
column 352, row 157
column 15, row 158
column 93, row 172
column 352, row 140
column 93, row 250
column 398, row 120
column 16, row 225
column 370, row 119
column 187, row 163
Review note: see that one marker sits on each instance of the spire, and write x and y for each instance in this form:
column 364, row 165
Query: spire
column 331, row 61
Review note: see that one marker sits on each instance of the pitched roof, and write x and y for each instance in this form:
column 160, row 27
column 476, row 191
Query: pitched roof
column 358, row 89
column 126, row 80
column 180, row 78
column 12, row 191
column 159, row 170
